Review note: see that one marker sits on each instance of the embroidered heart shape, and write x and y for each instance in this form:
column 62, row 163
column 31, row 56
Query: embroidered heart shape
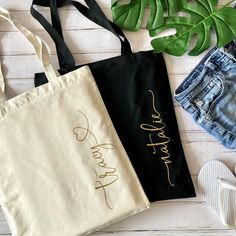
column 81, row 133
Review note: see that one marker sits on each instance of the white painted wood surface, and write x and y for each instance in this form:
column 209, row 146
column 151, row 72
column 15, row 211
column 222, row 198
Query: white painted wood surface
column 89, row 43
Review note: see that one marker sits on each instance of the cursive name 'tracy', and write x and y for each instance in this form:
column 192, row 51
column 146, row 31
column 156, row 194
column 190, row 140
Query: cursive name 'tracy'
column 107, row 175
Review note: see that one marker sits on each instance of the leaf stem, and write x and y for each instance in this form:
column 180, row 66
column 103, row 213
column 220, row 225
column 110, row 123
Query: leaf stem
column 229, row 3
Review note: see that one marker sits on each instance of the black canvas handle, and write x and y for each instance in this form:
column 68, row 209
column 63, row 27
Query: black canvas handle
column 64, row 55
column 93, row 12
column 96, row 15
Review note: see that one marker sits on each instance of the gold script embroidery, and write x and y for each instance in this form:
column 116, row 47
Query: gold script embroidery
column 157, row 129
column 108, row 175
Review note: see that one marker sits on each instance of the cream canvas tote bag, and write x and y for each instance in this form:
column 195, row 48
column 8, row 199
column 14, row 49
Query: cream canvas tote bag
column 63, row 169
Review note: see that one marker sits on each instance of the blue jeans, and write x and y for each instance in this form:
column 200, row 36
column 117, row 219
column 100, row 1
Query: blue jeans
column 209, row 94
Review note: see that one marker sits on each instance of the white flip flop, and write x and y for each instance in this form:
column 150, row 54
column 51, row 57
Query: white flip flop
column 217, row 185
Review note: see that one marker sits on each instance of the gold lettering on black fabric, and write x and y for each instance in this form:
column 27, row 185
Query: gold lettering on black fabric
column 157, row 130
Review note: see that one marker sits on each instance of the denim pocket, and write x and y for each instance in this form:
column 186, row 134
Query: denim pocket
column 208, row 94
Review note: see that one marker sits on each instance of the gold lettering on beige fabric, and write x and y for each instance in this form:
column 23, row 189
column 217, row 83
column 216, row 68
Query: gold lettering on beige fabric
column 108, row 175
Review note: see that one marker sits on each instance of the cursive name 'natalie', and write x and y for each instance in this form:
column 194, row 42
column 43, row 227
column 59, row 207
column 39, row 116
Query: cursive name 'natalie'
column 108, row 175
column 156, row 129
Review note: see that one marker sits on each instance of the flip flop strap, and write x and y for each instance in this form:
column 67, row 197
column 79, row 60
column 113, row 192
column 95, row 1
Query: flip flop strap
column 222, row 186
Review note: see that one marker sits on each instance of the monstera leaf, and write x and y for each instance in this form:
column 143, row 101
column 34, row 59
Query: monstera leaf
column 130, row 16
column 172, row 6
column 203, row 16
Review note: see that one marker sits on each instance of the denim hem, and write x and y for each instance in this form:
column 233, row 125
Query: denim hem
column 227, row 138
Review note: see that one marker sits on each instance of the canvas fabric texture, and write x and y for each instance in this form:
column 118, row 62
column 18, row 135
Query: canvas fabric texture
column 136, row 91
column 63, row 168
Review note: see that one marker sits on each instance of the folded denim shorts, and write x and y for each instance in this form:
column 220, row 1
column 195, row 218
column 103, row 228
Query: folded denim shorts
column 209, row 94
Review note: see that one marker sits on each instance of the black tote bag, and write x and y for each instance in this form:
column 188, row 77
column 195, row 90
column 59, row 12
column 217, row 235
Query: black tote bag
column 136, row 92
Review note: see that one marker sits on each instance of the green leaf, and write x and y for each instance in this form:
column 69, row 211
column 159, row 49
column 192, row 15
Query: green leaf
column 204, row 16
column 172, row 6
column 130, row 16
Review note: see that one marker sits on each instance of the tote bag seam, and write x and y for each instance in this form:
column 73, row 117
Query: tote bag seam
column 117, row 220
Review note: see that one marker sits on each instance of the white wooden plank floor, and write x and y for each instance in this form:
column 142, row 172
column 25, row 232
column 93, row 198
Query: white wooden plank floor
column 88, row 42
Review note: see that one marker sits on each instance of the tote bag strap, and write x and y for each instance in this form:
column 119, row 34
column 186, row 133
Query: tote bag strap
column 2, row 86
column 92, row 12
column 97, row 16
column 64, row 55
column 39, row 47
